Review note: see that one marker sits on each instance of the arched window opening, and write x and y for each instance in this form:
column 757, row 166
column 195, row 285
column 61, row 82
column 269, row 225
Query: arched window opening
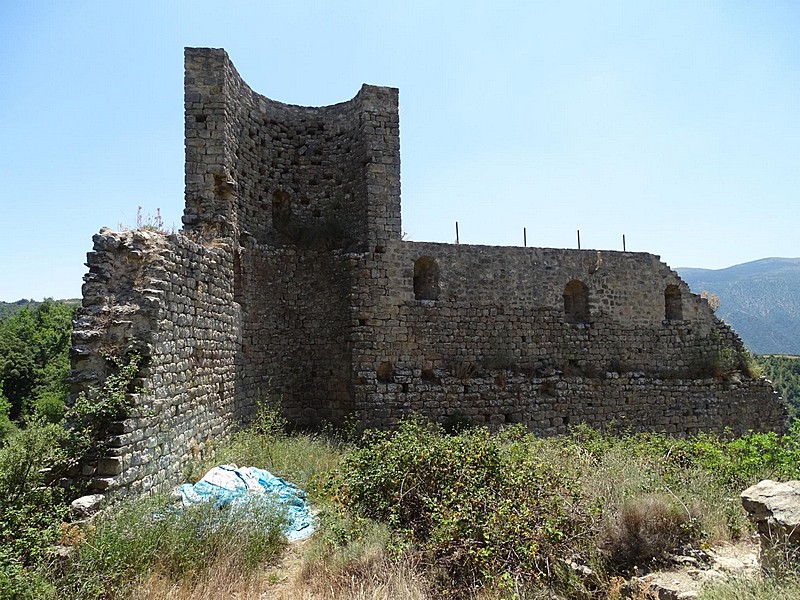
column 281, row 210
column 673, row 311
column 426, row 279
column 576, row 302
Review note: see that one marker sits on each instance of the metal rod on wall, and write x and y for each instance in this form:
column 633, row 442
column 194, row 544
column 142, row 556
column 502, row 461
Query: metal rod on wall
column 579, row 239
column 457, row 242
column 525, row 236
column 623, row 242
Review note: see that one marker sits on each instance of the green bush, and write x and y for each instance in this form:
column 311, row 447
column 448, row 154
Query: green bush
column 483, row 507
column 31, row 512
column 94, row 411
column 49, row 406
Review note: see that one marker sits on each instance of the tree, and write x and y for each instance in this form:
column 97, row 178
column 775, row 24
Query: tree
column 34, row 359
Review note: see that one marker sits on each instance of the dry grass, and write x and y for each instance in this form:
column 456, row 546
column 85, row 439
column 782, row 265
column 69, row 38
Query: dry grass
column 620, row 475
column 298, row 576
column 349, row 558
column 371, row 577
column 645, row 529
column 225, row 579
column 761, row 588
column 219, row 581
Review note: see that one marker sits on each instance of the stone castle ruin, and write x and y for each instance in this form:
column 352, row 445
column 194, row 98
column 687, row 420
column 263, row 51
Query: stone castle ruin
column 290, row 280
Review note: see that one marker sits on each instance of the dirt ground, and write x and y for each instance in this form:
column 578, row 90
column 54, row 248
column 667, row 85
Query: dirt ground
column 690, row 573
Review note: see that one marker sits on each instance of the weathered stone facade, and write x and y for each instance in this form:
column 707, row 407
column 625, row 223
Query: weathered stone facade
column 290, row 279
column 170, row 299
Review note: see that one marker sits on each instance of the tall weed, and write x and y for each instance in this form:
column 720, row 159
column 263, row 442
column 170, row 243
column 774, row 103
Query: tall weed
column 152, row 536
column 300, row 457
column 760, row 588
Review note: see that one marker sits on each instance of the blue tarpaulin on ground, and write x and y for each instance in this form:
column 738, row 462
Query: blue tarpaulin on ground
column 230, row 485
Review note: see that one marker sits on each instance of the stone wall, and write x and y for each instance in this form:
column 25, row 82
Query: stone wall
column 296, row 332
column 170, row 300
column 496, row 345
column 299, row 189
column 311, row 176
column 291, row 282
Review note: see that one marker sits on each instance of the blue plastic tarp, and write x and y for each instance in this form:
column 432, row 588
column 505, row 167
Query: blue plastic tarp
column 231, row 485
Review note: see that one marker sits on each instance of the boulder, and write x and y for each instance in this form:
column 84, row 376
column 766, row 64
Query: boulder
column 86, row 506
column 775, row 509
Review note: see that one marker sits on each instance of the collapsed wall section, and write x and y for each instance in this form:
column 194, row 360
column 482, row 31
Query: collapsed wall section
column 170, row 300
column 548, row 338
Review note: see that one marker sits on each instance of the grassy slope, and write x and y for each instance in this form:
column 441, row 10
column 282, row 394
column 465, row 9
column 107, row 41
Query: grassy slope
column 415, row 515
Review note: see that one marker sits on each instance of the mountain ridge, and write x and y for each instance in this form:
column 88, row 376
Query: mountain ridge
column 760, row 299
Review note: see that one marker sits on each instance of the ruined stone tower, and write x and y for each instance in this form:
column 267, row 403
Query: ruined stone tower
column 290, row 281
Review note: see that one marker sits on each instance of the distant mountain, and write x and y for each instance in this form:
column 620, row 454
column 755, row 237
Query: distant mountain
column 759, row 299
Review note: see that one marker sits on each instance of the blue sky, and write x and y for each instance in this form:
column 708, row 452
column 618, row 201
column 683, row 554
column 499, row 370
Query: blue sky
column 674, row 123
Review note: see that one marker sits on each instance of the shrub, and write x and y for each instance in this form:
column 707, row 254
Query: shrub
column 30, row 511
column 49, row 406
column 483, row 507
column 645, row 529
column 92, row 413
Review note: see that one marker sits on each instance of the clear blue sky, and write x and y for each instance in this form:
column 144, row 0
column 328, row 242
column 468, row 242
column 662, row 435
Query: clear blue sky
column 676, row 123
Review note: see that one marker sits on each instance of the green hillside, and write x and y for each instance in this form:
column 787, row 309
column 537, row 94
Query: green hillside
column 8, row 309
column 784, row 372
column 759, row 299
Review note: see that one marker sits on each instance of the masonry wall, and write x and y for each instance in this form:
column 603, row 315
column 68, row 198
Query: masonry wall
column 296, row 332
column 290, row 282
column 312, row 176
column 507, row 303
column 496, row 346
column 298, row 189
column 170, row 300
